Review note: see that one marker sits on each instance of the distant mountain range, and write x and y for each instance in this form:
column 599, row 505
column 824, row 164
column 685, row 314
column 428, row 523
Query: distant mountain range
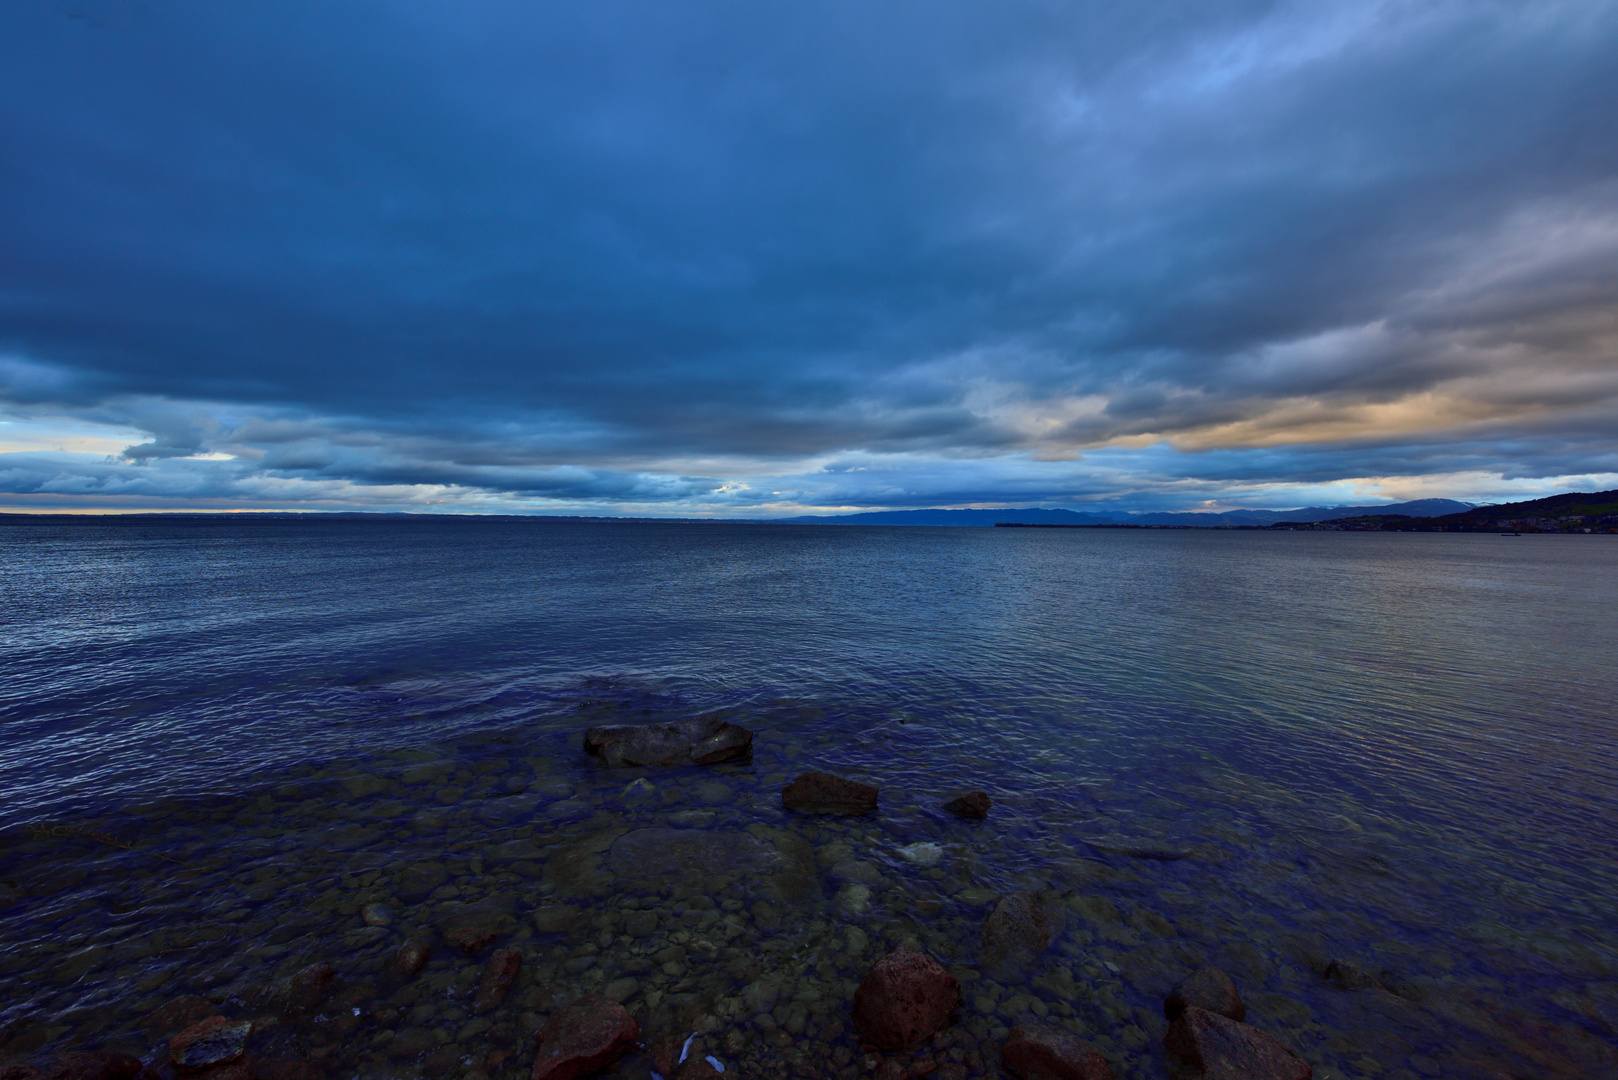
column 1576, row 511
column 1043, row 516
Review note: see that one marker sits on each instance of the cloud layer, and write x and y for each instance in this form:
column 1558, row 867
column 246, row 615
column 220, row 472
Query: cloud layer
column 622, row 256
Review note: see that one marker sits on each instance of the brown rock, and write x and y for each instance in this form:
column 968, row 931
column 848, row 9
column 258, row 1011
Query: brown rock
column 1206, row 988
column 703, row 740
column 920, row 1068
column 17, row 1070
column 176, row 1016
column 1021, row 926
column 473, row 927
column 498, row 975
column 208, row 1044
column 823, row 793
column 310, row 986
column 974, row 804
column 905, row 998
column 697, row 1068
column 1043, row 1052
column 1223, row 1049
column 412, row 956
column 1350, row 976
column 891, row 1069
column 582, row 1037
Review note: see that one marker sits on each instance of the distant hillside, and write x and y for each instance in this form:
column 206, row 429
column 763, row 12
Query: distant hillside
column 1045, row 516
column 1033, row 514
column 1577, row 511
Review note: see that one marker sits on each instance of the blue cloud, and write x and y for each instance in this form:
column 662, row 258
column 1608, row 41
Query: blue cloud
column 624, row 254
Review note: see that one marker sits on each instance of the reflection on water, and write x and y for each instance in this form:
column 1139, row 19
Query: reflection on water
column 236, row 752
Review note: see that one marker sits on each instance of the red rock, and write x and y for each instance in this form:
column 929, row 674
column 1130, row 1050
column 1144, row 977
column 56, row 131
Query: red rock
column 209, row 1044
column 1220, row 1048
column 1043, row 1052
column 412, row 956
column 498, row 975
column 974, row 804
column 582, row 1037
column 823, row 793
column 891, row 1069
column 19, row 1071
column 1206, row 988
column 921, row 1068
column 905, row 998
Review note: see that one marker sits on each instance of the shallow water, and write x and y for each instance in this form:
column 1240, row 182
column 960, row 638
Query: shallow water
column 1265, row 751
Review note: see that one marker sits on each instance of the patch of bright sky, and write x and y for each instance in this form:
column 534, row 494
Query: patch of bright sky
column 25, row 434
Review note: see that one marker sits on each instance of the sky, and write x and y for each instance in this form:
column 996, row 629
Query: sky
column 747, row 259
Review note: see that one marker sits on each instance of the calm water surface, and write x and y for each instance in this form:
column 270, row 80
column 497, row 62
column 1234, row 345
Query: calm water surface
column 221, row 741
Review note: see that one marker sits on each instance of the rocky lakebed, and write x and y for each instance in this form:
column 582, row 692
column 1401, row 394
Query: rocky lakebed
column 698, row 899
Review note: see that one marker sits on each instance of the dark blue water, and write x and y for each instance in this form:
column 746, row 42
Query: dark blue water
column 1393, row 750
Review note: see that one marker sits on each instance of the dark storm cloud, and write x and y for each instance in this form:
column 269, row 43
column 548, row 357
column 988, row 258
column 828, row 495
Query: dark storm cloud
column 634, row 252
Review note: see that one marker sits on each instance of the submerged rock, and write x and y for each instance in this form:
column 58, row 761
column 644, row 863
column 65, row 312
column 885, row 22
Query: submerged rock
column 703, row 740
column 309, row 986
column 973, row 805
column 498, row 975
column 1043, row 1052
column 412, row 956
column 1350, row 976
column 1206, row 988
column 209, row 1044
column 823, row 793
column 473, row 927
column 582, row 1037
column 1219, row 1048
column 1138, row 847
column 377, row 915
column 925, row 853
column 905, row 998
column 1021, row 926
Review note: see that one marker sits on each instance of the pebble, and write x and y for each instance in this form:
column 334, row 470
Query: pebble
column 377, row 915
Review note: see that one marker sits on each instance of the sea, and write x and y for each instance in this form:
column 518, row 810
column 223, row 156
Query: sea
column 244, row 759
